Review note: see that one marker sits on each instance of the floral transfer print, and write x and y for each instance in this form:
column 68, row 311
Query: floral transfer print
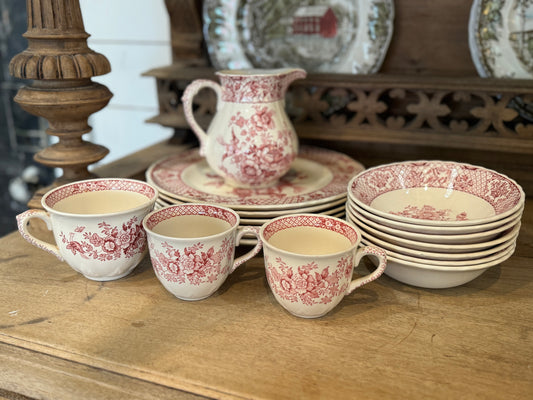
column 430, row 213
column 111, row 243
column 307, row 285
column 193, row 265
column 269, row 147
column 496, row 189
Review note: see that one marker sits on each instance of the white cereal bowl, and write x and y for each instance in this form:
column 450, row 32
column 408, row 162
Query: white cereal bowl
column 436, row 193
column 460, row 238
column 504, row 241
column 438, row 277
column 434, row 246
column 429, row 229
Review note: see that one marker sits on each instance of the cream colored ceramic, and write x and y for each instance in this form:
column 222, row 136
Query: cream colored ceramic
column 317, row 176
column 453, row 263
column 504, row 241
column 335, row 212
column 432, row 230
column 436, row 193
column 269, row 214
column 192, row 247
column 407, row 238
column 439, row 277
column 455, row 247
column 97, row 225
column 250, row 142
column 309, row 261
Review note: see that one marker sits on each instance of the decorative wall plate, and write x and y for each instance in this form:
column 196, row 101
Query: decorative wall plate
column 343, row 36
column 501, row 38
column 317, row 176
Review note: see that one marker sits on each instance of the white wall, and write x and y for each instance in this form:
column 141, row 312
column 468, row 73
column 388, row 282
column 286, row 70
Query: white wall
column 134, row 35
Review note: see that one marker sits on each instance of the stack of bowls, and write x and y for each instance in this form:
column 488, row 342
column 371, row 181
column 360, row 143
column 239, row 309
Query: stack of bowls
column 441, row 223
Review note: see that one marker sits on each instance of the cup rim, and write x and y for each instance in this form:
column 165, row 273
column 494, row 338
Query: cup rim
column 148, row 202
column 166, row 237
column 352, row 247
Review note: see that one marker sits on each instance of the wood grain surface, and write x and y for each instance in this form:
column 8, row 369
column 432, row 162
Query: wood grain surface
column 63, row 336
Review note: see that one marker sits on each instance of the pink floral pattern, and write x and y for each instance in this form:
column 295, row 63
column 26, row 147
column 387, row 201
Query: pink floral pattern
column 306, row 284
column 169, row 175
column 430, row 213
column 191, row 209
column 252, row 89
column 111, row 243
column 270, row 149
column 95, row 185
column 313, row 220
column 501, row 192
column 193, row 265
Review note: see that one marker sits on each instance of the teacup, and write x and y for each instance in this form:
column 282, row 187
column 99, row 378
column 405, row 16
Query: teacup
column 309, row 261
column 192, row 247
column 97, row 225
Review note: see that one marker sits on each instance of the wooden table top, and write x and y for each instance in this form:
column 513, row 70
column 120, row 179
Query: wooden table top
column 65, row 337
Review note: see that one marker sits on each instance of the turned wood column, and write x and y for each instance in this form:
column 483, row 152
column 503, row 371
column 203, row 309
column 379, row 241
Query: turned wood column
column 61, row 66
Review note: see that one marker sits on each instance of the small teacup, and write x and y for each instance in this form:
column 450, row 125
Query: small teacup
column 192, row 247
column 97, row 225
column 309, row 261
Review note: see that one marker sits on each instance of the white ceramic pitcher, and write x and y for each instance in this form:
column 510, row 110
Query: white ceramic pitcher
column 250, row 141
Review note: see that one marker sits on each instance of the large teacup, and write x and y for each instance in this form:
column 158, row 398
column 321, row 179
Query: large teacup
column 97, row 225
column 192, row 247
column 309, row 261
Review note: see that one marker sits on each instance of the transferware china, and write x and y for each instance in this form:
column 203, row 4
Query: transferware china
column 250, row 142
column 309, row 262
column 97, row 225
column 439, row 277
column 341, row 36
column 501, row 242
column 192, row 247
column 436, row 193
column 429, row 229
column 405, row 237
column 459, row 247
column 317, row 176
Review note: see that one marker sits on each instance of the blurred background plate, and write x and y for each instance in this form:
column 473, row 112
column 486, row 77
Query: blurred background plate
column 342, row 36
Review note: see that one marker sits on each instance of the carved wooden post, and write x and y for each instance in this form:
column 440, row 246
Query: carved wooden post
column 61, row 66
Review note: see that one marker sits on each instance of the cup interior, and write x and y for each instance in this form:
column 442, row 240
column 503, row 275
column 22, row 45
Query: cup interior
column 191, row 221
column 310, row 234
column 99, row 196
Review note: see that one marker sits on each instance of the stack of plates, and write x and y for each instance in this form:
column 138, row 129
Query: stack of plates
column 442, row 224
column 316, row 183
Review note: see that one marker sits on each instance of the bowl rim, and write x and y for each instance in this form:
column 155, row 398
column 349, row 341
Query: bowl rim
column 508, row 253
column 470, row 222
column 417, row 243
column 510, row 237
column 429, row 229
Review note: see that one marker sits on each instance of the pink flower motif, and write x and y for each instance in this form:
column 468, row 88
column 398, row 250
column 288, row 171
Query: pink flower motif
column 193, row 265
column 108, row 245
column 302, row 285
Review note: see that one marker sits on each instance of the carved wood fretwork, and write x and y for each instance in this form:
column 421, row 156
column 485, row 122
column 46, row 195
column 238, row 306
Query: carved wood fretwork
column 429, row 111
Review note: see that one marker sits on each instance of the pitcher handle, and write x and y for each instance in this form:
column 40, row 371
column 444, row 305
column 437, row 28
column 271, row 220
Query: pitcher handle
column 22, row 224
column 241, row 230
column 190, row 92
column 368, row 251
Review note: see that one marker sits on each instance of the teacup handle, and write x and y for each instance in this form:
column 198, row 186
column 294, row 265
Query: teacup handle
column 368, row 251
column 241, row 230
column 190, row 92
column 22, row 223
